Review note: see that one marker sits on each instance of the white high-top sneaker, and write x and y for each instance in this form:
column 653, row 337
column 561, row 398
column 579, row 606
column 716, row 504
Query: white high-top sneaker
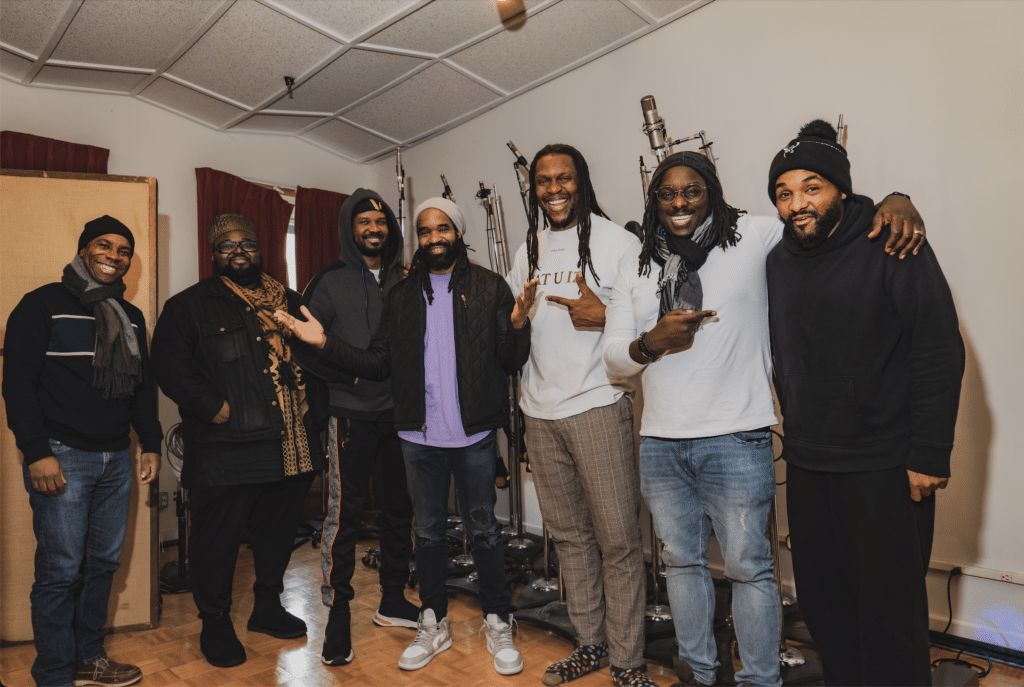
column 507, row 659
column 432, row 638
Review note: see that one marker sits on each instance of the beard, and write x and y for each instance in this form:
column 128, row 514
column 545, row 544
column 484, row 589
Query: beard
column 370, row 252
column 823, row 225
column 442, row 261
column 243, row 276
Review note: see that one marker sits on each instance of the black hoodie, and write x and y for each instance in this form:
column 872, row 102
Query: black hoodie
column 867, row 352
column 347, row 300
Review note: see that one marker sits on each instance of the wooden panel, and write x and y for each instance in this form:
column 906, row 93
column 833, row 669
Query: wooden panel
column 41, row 216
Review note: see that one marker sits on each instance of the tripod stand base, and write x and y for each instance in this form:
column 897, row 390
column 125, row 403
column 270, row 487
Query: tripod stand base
column 470, row 585
column 171, row 581
column 532, row 597
column 553, row 617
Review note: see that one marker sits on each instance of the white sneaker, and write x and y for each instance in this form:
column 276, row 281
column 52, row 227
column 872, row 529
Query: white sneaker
column 507, row 659
column 432, row 638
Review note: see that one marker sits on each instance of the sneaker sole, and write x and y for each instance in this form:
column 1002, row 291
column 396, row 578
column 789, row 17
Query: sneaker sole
column 444, row 647
column 338, row 661
column 123, row 683
column 509, row 671
column 387, row 621
column 251, row 627
column 224, row 664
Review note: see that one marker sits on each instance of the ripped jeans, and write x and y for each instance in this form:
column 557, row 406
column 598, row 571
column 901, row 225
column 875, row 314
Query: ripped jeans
column 429, row 471
column 727, row 482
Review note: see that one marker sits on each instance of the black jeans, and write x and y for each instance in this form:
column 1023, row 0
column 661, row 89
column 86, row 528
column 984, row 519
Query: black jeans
column 220, row 515
column 358, row 447
column 860, row 552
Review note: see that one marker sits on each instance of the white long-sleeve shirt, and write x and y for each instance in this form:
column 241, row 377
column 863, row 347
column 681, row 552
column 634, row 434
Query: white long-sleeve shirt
column 722, row 383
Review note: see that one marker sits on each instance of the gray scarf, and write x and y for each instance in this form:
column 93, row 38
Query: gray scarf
column 679, row 284
column 116, row 362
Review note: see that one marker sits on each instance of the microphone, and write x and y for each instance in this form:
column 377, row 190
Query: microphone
column 654, row 126
column 519, row 156
column 447, row 190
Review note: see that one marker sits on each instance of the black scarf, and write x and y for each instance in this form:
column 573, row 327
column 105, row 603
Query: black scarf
column 680, row 258
column 116, row 362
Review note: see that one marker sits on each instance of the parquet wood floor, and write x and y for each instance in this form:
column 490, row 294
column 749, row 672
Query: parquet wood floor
column 169, row 655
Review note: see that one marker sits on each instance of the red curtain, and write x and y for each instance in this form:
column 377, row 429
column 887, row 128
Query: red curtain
column 316, row 232
column 221, row 193
column 27, row 151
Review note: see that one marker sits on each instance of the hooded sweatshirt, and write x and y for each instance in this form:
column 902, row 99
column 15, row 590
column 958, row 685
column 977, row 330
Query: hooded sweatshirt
column 347, row 299
column 867, row 353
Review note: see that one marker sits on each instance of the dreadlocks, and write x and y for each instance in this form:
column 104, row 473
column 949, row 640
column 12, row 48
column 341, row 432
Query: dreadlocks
column 420, row 267
column 724, row 216
column 587, row 206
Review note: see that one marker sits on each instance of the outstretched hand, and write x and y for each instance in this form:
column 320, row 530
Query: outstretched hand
column 310, row 331
column 585, row 311
column 906, row 226
column 524, row 303
column 676, row 329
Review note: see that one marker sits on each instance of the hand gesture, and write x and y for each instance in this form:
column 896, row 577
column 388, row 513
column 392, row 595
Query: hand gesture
column 47, row 477
column 585, row 311
column 922, row 486
column 906, row 226
column 524, row 303
column 222, row 415
column 310, row 331
column 676, row 330
column 150, row 467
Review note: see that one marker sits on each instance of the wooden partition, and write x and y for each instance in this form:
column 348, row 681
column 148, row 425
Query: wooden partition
column 41, row 216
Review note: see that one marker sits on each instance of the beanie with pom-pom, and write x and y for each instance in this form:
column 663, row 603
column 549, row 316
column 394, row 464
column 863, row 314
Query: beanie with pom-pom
column 815, row 149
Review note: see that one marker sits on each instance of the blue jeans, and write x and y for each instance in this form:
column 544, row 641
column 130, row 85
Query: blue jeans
column 727, row 482
column 79, row 537
column 429, row 471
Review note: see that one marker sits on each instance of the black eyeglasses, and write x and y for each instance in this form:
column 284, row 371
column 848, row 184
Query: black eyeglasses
column 228, row 247
column 692, row 193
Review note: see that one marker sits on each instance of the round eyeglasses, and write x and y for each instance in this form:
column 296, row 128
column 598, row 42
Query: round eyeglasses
column 228, row 247
column 691, row 192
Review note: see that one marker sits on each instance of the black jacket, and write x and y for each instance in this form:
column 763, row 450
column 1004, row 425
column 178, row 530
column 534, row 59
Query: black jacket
column 867, row 352
column 208, row 347
column 347, row 300
column 487, row 349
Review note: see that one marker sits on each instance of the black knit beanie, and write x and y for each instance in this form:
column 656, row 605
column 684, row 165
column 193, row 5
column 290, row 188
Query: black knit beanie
column 102, row 226
column 816, row 150
column 695, row 161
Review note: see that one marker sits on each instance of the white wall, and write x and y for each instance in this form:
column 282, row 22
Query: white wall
column 147, row 141
column 931, row 94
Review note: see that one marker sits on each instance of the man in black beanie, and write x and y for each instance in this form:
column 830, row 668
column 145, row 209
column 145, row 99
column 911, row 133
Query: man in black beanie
column 76, row 379
column 868, row 362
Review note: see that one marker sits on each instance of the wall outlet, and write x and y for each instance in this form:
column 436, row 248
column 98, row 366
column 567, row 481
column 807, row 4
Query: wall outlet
column 163, row 500
column 1006, row 577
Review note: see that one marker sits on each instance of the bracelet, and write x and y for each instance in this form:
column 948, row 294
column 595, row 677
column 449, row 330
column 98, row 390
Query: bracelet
column 645, row 350
column 897, row 193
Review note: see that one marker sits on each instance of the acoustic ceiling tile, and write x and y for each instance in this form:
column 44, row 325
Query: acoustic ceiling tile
column 253, row 48
column 346, row 80
column 346, row 18
column 128, row 33
column 548, row 41
column 662, row 8
column 180, row 98
column 281, row 123
column 29, row 24
column 13, row 66
column 441, row 25
column 120, row 82
column 426, row 100
column 347, row 139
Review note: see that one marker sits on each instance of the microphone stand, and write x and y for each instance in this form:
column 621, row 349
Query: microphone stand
column 400, row 173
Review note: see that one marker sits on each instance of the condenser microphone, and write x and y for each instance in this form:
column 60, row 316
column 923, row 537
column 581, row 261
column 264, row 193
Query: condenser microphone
column 654, row 126
column 519, row 156
column 447, row 190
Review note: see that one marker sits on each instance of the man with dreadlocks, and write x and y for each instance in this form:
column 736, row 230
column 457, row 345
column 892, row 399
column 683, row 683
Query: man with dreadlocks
column 449, row 336
column 706, row 450
column 76, row 380
column 579, row 421
column 250, row 452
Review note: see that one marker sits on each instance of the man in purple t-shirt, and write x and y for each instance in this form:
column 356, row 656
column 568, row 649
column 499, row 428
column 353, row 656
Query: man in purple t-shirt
column 449, row 336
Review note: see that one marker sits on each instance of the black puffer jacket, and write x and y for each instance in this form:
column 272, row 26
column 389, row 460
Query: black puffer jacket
column 487, row 349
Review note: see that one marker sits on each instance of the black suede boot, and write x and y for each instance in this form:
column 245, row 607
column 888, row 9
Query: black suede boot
column 337, row 649
column 219, row 643
column 395, row 610
column 270, row 618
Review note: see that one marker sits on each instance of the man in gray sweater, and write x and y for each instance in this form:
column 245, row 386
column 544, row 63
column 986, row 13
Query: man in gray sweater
column 346, row 296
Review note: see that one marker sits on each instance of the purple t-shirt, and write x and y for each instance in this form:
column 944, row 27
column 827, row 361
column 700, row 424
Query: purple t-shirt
column 444, row 417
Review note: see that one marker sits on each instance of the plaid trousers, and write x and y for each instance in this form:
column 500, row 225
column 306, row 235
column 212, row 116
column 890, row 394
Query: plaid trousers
column 589, row 491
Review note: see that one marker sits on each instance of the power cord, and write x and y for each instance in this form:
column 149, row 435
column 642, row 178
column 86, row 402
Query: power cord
column 956, row 660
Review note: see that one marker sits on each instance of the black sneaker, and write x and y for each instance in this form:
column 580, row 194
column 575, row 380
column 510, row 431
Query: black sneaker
column 337, row 649
column 219, row 643
column 396, row 611
column 107, row 672
column 270, row 618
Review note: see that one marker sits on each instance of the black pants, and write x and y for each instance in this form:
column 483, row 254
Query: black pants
column 860, row 552
column 219, row 516
column 357, row 448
